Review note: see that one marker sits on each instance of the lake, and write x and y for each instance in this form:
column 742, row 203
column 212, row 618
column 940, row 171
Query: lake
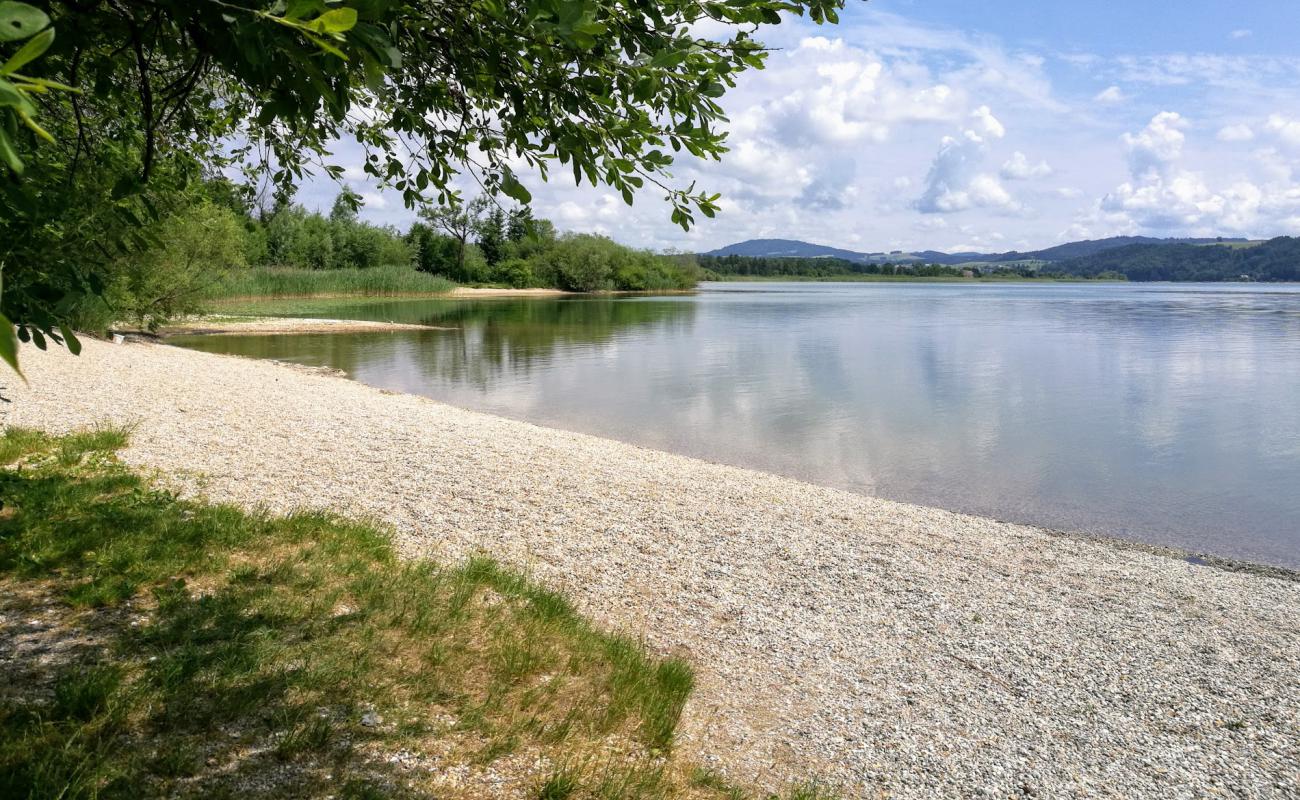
column 1164, row 413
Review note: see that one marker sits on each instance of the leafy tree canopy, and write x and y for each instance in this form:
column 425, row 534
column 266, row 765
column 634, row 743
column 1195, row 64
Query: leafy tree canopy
column 135, row 98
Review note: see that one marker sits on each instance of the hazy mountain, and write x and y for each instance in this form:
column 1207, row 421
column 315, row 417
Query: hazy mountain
column 793, row 248
column 1275, row 260
column 785, row 248
column 1091, row 247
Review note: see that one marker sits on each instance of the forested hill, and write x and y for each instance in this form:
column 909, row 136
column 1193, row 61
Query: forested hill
column 793, row 248
column 1090, row 247
column 784, row 248
column 1275, row 260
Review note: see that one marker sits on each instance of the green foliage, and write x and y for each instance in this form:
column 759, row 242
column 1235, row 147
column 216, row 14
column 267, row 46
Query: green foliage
column 195, row 250
column 491, row 231
column 302, row 239
column 1275, row 260
column 590, row 263
column 770, row 266
column 281, row 282
column 141, row 100
column 514, row 272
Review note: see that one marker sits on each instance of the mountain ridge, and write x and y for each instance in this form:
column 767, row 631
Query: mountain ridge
column 795, row 248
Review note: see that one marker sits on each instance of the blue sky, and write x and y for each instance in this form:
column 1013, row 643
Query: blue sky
column 1009, row 124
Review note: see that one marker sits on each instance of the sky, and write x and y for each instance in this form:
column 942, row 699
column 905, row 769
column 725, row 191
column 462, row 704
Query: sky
column 990, row 126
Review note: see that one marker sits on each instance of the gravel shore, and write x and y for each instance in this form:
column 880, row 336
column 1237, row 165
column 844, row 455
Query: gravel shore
column 893, row 649
column 227, row 325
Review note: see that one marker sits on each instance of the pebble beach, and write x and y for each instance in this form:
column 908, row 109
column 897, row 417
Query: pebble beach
column 892, row 650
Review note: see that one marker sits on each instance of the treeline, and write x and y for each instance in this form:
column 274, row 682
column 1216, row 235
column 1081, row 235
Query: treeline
column 480, row 242
column 477, row 243
column 1275, row 260
column 764, row 266
column 211, row 243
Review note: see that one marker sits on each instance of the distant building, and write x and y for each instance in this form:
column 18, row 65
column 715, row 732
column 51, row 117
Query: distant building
column 968, row 273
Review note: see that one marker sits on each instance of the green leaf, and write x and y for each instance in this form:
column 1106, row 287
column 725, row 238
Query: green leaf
column 70, row 340
column 20, row 21
column 9, row 345
column 298, row 9
column 29, row 52
column 337, row 20
column 515, row 190
column 326, row 46
column 12, row 97
column 8, row 154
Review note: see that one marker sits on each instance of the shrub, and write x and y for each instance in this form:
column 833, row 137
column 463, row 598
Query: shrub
column 515, row 272
column 197, row 248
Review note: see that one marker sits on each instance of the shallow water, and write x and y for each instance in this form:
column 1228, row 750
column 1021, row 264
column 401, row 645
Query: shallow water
column 1164, row 413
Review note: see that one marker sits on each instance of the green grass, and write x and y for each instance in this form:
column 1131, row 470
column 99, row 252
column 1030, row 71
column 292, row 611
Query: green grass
column 328, row 307
column 374, row 282
column 208, row 651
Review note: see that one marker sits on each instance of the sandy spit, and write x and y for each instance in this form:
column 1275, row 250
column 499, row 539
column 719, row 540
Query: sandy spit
column 226, row 325
column 895, row 650
column 488, row 291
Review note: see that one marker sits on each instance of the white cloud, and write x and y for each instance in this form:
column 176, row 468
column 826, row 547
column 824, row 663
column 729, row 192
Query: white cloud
column 1019, row 168
column 1162, row 195
column 1286, row 129
column 1235, row 133
column 884, row 128
column 1240, row 33
column 955, row 182
column 374, row 200
column 988, row 123
column 1110, row 96
column 1152, row 149
column 855, row 96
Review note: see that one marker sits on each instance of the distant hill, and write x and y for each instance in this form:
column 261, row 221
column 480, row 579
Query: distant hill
column 793, row 248
column 1274, row 260
column 1062, row 252
column 785, row 248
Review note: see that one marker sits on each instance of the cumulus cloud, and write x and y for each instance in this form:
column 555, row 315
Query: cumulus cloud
column 1235, row 133
column 1163, row 195
column 1241, row 33
column 1110, row 96
column 885, row 128
column 955, row 181
column 374, row 200
column 1019, row 168
column 837, row 94
column 987, row 123
column 1285, row 129
column 1154, row 148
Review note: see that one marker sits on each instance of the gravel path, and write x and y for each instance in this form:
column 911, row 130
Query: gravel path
column 897, row 650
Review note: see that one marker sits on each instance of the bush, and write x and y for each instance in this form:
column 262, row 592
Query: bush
column 582, row 263
column 306, row 240
column 589, row 263
column 514, row 272
column 197, row 248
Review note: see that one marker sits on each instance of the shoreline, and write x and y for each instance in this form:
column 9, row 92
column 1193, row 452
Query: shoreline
column 896, row 648
column 208, row 326
column 219, row 325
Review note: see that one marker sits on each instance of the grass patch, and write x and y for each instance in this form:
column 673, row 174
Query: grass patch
column 18, row 442
column 206, row 651
column 376, row 281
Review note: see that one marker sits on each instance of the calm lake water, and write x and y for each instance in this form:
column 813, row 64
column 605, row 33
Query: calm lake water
column 1165, row 413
